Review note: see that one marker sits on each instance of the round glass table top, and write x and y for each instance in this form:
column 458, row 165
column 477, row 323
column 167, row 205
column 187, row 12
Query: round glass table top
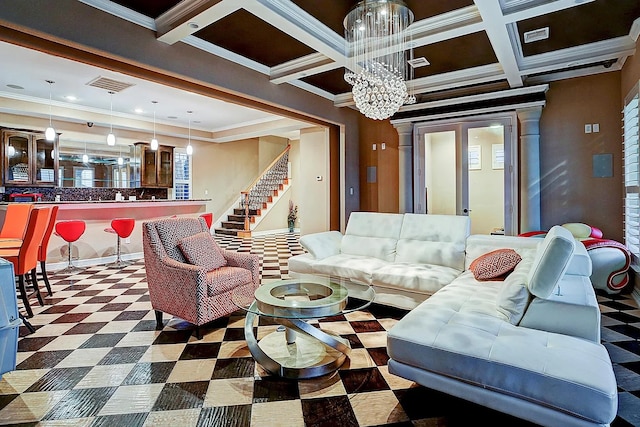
column 304, row 297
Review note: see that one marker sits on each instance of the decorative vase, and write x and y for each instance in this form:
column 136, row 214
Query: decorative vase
column 291, row 223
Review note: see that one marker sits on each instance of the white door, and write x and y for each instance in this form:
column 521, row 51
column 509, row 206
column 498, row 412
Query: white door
column 466, row 168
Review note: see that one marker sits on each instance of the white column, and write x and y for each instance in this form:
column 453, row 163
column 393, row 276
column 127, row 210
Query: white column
column 405, row 167
column 530, row 168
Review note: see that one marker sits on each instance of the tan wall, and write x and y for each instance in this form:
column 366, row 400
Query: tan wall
column 441, row 178
column 269, row 148
column 569, row 192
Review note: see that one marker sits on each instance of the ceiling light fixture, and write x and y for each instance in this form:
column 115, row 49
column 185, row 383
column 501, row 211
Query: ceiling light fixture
column 189, row 147
column 111, row 138
column 378, row 48
column 154, row 141
column 50, row 133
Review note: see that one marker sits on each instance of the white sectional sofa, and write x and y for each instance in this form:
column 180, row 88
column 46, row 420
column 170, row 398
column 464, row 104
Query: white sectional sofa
column 528, row 345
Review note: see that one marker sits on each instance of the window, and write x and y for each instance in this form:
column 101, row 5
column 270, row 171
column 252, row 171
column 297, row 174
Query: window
column 631, row 129
column 83, row 177
column 181, row 175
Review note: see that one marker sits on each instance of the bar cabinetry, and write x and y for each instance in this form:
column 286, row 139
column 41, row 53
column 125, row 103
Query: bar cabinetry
column 28, row 158
column 152, row 168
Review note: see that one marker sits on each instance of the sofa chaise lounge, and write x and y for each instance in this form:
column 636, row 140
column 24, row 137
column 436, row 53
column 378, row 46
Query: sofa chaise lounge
column 528, row 345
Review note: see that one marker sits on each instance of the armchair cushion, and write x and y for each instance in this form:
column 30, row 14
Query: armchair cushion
column 202, row 250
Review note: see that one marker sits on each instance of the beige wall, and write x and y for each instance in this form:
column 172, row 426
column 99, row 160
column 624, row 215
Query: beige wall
column 222, row 171
column 486, row 185
column 313, row 195
column 440, row 171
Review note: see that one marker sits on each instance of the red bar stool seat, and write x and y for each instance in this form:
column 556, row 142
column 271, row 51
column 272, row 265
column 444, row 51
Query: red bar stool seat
column 70, row 231
column 123, row 227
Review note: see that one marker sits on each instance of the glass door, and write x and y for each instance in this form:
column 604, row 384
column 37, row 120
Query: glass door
column 467, row 168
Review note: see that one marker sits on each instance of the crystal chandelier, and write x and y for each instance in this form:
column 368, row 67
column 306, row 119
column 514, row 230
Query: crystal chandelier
column 378, row 48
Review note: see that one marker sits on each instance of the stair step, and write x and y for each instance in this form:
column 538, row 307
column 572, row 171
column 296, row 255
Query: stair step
column 226, row 231
column 233, row 225
column 238, row 218
column 240, row 212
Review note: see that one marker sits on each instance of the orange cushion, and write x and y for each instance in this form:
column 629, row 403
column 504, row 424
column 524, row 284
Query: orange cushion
column 495, row 265
column 202, row 250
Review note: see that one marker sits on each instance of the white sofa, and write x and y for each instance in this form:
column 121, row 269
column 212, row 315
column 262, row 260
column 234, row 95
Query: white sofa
column 528, row 346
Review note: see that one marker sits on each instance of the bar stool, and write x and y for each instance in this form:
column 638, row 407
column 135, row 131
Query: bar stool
column 70, row 231
column 44, row 245
column 208, row 218
column 123, row 227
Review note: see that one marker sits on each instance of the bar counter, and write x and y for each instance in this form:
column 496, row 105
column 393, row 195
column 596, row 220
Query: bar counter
column 96, row 246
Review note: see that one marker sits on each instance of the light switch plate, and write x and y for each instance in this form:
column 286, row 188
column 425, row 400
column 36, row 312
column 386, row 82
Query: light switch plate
column 587, row 128
column 596, row 127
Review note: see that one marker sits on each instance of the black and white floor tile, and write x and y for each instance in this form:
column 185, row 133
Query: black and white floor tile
column 96, row 359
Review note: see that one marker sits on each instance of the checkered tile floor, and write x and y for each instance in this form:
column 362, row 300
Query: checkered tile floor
column 97, row 360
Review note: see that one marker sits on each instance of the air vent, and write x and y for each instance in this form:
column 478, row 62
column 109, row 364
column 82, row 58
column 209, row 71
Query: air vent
column 418, row 62
column 109, row 84
column 535, row 35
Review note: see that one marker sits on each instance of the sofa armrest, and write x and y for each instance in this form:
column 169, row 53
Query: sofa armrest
column 247, row 261
column 322, row 245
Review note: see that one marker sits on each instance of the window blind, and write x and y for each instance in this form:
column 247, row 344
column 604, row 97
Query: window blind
column 181, row 175
column 631, row 152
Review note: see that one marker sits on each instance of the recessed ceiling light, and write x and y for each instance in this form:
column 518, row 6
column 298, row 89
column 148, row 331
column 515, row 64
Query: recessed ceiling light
column 193, row 25
column 196, row 121
column 139, row 110
column 172, row 117
column 15, row 87
column 419, row 62
column 71, row 98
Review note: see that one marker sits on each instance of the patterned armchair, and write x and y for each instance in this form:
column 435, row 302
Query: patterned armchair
column 190, row 288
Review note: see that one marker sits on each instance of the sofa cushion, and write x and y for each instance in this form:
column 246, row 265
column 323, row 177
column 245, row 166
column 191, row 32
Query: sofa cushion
column 513, row 295
column 433, row 239
column 202, row 250
column 551, row 262
column 420, row 278
column 358, row 268
column 495, row 264
column 375, row 247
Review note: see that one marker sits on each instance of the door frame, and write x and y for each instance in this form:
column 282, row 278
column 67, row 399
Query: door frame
column 460, row 125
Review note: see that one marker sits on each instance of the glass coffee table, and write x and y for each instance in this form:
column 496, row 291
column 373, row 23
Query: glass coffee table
column 298, row 349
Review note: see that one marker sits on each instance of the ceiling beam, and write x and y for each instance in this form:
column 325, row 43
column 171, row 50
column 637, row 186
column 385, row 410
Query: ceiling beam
column 189, row 16
column 495, row 27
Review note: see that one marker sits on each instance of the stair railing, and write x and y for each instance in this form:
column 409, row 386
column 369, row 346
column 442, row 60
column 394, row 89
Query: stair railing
column 258, row 193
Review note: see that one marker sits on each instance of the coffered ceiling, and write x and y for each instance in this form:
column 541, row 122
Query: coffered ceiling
column 473, row 45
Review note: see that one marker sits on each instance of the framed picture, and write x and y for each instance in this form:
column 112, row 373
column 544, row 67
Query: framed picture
column 475, row 157
column 497, row 156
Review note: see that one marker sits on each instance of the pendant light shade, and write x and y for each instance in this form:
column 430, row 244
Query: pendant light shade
column 111, row 138
column 50, row 133
column 189, row 147
column 154, row 141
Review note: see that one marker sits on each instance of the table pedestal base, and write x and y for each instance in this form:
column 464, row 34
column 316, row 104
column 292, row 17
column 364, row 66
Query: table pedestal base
column 312, row 354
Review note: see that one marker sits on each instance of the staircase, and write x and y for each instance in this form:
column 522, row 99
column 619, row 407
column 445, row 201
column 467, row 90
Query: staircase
column 257, row 197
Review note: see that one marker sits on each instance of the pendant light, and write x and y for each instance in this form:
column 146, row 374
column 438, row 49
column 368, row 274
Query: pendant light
column 189, row 147
column 50, row 133
column 111, row 138
column 85, row 157
column 154, row 141
column 11, row 151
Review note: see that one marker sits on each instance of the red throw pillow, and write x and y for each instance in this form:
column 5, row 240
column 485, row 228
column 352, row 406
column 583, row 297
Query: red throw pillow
column 495, row 265
column 202, row 250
